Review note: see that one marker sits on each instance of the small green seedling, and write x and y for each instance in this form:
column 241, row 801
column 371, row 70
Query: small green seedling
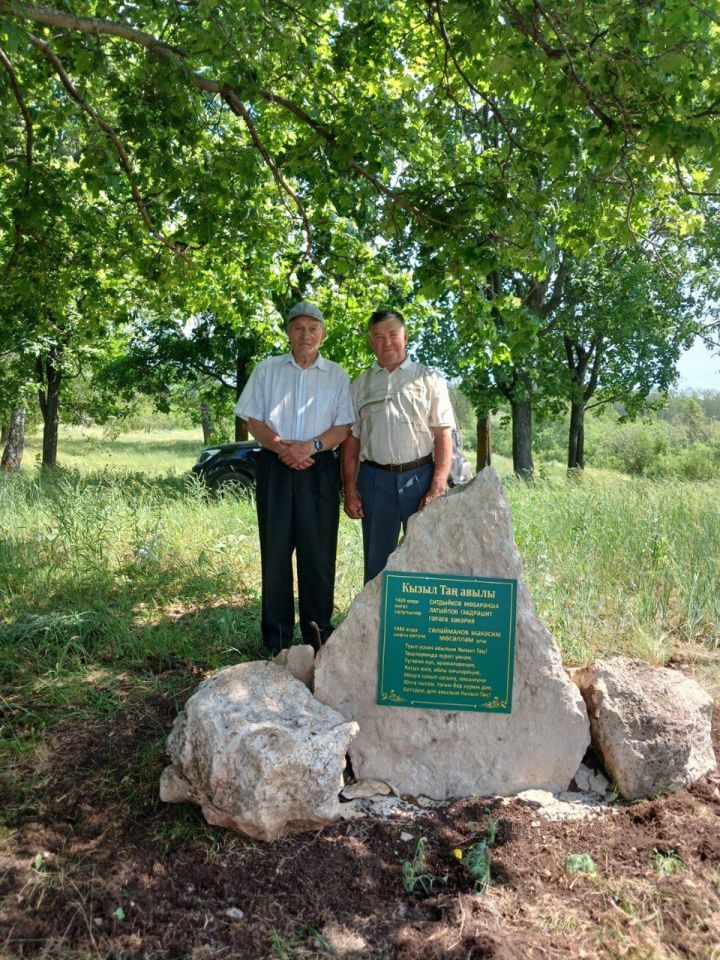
column 476, row 859
column 488, row 830
column 477, row 863
column 579, row 863
column 415, row 872
column 119, row 914
column 666, row 863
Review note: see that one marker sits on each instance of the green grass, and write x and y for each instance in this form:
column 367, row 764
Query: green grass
column 115, row 567
column 622, row 565
column 154, row 454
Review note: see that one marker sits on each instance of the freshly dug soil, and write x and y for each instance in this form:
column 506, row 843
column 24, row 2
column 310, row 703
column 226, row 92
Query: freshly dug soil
column 94, row 865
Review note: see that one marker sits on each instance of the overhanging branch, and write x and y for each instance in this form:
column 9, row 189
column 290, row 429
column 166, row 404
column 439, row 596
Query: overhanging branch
column 95, row 26
column 27, row 120
column 237, row 106
column 115, row 140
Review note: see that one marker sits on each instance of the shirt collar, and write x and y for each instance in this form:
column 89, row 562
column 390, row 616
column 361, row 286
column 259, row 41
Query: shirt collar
column 320, row 362
column 407, row 362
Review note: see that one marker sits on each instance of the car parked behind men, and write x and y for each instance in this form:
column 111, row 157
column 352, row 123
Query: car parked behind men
column 229, row 465
column 233, row 466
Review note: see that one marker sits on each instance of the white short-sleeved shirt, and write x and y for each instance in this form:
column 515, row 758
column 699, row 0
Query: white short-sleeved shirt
column 395, row 412
column 297, row 403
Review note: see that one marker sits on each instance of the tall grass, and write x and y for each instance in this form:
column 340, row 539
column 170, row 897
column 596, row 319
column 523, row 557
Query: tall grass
column 111, row 571
column 621, row 565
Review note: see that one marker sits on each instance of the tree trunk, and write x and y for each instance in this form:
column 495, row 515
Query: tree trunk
column 241, row 429
column 50, row 376
column 522, row 438
column 483, row 441
column 15, row 442
column 206, row 422
column 581, row 444
column 576, row 440
column 4, row 432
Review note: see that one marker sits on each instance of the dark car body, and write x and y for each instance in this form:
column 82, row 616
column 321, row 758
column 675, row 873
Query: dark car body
column 228, row 464
column 235, row 464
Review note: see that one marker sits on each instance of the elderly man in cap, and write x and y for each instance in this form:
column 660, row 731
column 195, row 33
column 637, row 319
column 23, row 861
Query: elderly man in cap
column 298, row 408
column 398, row 457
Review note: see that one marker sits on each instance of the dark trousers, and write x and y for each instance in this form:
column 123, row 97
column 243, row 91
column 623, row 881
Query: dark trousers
column 388, row 501
column 298, row 510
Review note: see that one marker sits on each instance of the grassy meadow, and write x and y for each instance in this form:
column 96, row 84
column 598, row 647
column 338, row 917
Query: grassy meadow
column 122, row 583
column 116, row 566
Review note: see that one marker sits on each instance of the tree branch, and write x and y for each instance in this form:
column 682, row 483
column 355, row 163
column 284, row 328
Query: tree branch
column 239, row 109
column 705, row 13
column 558, row 289
column 684, row 187
column 436, row 9
column 95, row 26
column 555, row 53
column 27, row 120
column 45, row 49
column 175, row 55
column 597, row 347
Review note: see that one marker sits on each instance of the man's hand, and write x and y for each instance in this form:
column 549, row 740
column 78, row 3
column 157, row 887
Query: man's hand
column 442, row 454
column 353, row 505
column 436, row 490
column 297, row 454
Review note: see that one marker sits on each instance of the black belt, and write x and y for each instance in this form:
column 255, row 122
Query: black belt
column 401, row 467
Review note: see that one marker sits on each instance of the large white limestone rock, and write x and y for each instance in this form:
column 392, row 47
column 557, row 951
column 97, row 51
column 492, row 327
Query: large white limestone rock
column 258, row 753
column 455, row 754
column 651, row 725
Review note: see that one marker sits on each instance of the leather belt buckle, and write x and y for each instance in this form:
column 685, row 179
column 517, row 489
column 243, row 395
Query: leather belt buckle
column 401, row 467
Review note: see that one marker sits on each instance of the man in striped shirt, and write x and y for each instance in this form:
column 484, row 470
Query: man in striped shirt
column 398, row 455
column 298, row 407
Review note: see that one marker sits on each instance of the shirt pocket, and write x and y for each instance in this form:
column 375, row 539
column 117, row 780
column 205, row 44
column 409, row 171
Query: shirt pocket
column 412, row 403
column 322, row 403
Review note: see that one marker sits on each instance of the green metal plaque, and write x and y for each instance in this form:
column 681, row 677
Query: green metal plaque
column 446, row 642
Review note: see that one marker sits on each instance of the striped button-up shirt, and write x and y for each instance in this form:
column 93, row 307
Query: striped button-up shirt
column 395, row 412
column 297, row 403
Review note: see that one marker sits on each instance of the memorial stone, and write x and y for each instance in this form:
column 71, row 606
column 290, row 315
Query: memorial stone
column 441, row 752
column 257, row 752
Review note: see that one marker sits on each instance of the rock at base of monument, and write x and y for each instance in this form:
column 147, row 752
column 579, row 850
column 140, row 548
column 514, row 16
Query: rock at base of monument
column 651, row 725
column 362, row 789
column 567, row 805
column 257, row 752
column 588, row 780
column 444, row 754
column 300, row 661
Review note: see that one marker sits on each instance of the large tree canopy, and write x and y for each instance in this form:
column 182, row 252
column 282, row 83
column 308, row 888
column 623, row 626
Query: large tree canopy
column 476, row 145
column 445, row 112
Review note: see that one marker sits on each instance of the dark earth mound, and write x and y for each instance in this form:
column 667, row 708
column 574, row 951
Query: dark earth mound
column 94, row 865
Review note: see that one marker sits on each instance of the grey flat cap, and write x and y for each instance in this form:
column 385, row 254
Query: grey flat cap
column 305, row 309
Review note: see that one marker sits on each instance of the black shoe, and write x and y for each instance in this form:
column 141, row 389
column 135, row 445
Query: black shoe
column 315, row 636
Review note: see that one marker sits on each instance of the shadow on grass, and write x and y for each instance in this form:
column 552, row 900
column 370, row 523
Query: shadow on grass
column 122, row 630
